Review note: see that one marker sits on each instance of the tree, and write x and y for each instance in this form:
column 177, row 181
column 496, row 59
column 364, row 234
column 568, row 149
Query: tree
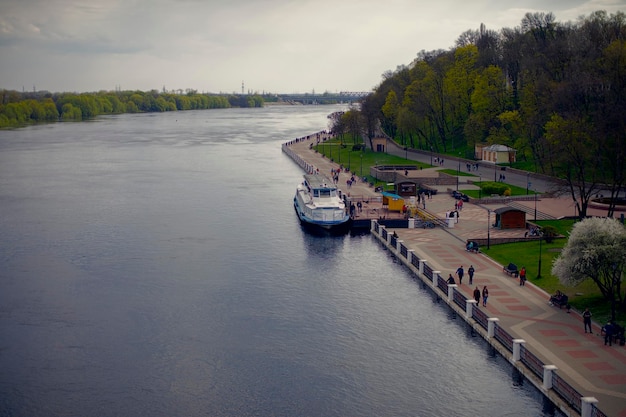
column 595, row 250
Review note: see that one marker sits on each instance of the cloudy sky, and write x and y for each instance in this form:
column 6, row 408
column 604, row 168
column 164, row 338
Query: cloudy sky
column 284, row 46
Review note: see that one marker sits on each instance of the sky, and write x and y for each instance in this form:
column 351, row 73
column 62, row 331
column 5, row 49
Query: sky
column 216, row 46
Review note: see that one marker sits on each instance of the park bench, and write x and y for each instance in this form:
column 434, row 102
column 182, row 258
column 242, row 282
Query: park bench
column 511, row 269
column 562, row 302
column 472, row 247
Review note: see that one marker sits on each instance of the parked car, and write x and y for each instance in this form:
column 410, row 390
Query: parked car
column 460, row 196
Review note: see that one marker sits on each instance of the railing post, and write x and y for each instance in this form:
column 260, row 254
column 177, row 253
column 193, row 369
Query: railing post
column 398, row 244
column 491, row 326
column 469, row 307
column 517, row 348
column 421, row 267
column 435, row 279
column 548, row 371
column 586, row 408
column 372, row 225
column 412, row 223
column 451, row 288
column 409, row 256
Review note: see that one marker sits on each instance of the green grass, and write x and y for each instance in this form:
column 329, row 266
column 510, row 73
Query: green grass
column 515, row 190
column 359, row 162
column 586, row 294
column 456, row 173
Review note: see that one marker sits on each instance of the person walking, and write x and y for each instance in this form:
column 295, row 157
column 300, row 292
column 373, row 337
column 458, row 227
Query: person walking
column 522, row 276
column 587, row 320
column 470, row 273
column 608, row 334
column 459, row 273
column 485, row 296
column 477, row 296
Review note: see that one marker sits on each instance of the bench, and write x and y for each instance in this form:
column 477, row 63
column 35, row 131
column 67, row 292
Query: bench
column 472, row 247
column 560, row 301
column 511, row 269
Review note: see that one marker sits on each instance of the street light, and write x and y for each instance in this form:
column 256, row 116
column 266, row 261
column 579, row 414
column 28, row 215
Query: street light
column 488, row 227
column 458, row 172
column 527, row 182
column 539, row 267
column 535, row 205
column 480, row 189
column 361, row 163
column 431, row 156
column 495, row 166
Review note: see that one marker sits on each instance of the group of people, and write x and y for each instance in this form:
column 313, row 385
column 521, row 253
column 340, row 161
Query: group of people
column 485, row 295
column 460, row 273
column 558, row 298
column 471, row 167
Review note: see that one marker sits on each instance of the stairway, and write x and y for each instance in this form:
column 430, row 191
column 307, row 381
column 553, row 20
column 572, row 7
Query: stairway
column 530, row 211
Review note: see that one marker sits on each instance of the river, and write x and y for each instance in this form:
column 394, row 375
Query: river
column 152, row 264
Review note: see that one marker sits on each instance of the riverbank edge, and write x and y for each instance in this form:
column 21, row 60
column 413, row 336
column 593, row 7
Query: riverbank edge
column 549, row 394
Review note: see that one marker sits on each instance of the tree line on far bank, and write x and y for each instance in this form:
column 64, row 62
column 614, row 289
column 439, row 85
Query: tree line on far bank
column 555, row 92
column 18, row 109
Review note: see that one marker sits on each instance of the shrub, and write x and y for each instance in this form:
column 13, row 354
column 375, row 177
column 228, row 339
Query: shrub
column 495, row 188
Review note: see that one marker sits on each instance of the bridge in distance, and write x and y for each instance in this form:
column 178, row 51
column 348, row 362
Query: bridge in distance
column 325, row 98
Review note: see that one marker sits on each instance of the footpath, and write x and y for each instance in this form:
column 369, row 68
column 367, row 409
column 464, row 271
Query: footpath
column 555, row 336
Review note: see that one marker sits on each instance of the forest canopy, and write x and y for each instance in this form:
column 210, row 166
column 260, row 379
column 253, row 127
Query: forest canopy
column 17, row 109
column 553, row 91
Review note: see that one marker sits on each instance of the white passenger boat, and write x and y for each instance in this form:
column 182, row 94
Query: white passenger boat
column 318, row 203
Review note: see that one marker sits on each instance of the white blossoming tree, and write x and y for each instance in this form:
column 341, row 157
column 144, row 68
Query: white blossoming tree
column 596, row 249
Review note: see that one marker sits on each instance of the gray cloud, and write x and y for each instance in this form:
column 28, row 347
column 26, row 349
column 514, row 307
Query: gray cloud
column 273, row 45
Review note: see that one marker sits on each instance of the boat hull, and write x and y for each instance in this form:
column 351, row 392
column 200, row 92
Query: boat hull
column 340, row 225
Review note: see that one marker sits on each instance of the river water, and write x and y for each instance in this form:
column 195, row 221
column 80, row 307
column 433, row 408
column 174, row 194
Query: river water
column 153, row 265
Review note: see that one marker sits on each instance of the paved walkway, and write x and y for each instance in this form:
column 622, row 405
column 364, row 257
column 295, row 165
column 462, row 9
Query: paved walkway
column 553, row 335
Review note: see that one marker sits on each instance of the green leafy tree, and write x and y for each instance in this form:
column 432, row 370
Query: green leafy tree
column 595, row 250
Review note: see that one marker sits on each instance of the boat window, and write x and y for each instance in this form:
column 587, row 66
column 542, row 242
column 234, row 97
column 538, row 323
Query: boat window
column 325, row 193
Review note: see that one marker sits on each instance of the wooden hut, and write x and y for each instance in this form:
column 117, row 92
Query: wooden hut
column 510, row 218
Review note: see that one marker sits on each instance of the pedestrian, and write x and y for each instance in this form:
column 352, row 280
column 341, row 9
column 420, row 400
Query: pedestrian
column 470, row 272
column 459, row 273
column 485, row 296
column 608, row 334
column 450, row 279
column 587, row 320
column 477, row 295
column 522, row 276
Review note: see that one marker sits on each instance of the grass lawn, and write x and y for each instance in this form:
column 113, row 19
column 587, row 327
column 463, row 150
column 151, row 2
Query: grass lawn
column 526, row 254
column 359, row 162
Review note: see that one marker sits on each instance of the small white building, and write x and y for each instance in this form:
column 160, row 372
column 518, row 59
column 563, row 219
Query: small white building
column 498, row 154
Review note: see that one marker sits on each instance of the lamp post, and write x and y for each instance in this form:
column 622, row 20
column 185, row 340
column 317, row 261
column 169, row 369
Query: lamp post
column 480, row 189
column 361, row 164
column 406, row 152
column 535, row 205
column 495, row 166
column 539, row 267
column 527, row 182
column 458, row 172
column 488, row 227
column 431, row 156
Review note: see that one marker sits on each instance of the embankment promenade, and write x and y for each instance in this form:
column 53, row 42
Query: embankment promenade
column 547, row 345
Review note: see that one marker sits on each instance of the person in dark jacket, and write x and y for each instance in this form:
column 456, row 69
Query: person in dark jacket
column 608, row 334
column 587, row 320
column 477, row 295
